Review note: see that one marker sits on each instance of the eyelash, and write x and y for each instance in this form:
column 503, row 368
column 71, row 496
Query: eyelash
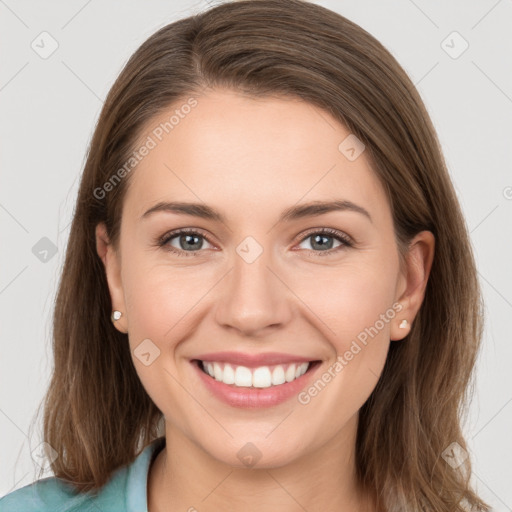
column 341, row 237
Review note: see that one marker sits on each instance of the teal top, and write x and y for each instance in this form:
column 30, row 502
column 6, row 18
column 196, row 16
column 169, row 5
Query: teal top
column 126, row 491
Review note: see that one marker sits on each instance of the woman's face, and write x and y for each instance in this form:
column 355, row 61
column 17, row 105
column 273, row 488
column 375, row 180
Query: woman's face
column 257, row 282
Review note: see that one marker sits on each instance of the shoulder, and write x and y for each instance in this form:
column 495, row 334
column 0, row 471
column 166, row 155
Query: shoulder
column 126, row 491
column 55, row 495
column 48, row 494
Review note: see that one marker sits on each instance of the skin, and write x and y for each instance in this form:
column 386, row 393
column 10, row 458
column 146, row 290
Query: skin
column 250, row 159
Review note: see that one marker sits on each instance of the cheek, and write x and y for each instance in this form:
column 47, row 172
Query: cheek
column 158, row 298
column 349, row 300
column 355, row 306
column 160, row 303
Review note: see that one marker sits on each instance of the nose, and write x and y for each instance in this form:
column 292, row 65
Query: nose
column 254, row 299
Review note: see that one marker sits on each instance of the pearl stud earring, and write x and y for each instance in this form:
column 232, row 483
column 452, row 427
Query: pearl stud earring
column 403, row 324
column 116, row 315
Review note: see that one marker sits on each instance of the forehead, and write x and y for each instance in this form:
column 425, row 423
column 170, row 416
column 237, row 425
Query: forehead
column 249, row 154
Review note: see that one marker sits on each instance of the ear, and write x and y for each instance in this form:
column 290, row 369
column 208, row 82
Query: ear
column 418, row 263
column 112, row 265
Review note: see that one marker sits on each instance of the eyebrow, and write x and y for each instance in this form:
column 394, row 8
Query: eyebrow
column 310, row 209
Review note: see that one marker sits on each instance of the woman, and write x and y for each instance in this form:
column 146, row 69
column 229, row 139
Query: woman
column 269, row 299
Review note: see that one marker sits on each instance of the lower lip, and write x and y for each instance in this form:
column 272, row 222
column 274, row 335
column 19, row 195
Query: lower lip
column 251, row 398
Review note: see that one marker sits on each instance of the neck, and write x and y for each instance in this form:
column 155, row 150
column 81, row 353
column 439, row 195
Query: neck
column 184, row 477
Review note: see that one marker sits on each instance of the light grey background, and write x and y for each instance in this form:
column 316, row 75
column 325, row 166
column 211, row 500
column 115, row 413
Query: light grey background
column 49, row 108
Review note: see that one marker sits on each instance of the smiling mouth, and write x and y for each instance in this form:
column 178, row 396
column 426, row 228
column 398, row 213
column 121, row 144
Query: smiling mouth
column 240, row 376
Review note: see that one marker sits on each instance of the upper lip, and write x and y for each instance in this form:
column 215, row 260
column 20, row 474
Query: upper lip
column 253, row 360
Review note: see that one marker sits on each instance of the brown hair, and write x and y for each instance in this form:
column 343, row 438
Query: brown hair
column 98, row 416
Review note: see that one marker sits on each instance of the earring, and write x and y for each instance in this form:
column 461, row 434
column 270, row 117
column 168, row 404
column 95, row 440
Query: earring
column 403, row 324
column 116, row 315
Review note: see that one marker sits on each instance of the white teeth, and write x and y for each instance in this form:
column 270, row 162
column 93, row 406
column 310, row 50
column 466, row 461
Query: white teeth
column 290, row 373
column 217, row 371
column 229, row 375
column 278, row 376
column 243, row 376
column 261, row 377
